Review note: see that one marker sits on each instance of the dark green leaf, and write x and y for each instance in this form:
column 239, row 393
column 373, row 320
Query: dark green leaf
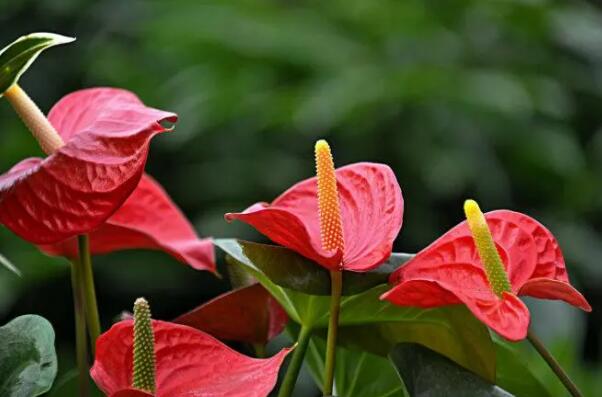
column 513, row 372
column 16, row 58
column 377, row 325
column 452, row 331
column 28, row 361
column 288, row 269
column 8, row 264
column 357, row 373
column 428, row 374
column 68, row 385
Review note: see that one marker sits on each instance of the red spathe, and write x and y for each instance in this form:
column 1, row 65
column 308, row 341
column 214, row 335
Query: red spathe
column 189, row 363
column 449, row 271
column 106, row 133
column 148, row 219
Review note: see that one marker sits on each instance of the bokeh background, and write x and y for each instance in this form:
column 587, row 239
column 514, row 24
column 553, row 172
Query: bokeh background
column 495, row 100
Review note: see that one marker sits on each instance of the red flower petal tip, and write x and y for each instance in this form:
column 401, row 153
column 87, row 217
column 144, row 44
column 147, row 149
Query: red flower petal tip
column 148, row 219
column 449, row 271
column 74, row 190
column 371, row 205
column 189, row 362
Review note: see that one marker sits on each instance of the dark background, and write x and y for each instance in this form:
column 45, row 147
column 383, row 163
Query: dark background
column 495, row 100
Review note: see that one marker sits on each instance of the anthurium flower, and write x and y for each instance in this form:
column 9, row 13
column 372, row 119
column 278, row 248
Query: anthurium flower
column 371, row 212
column 248, row 314
column 106, row 134
column 488, row 270
column 156, row 358
column 148, row 219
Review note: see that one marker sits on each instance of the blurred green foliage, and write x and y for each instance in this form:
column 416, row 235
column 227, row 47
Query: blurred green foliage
column 496, row 100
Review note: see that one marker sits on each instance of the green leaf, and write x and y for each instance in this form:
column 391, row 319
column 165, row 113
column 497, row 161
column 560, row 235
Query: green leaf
column 452, row 331
column 357, row 373
column 68, row 385
column 513, row 372
column 313, row 310
column 369, row 323
column 16, row 58
column 28, row 361
column 8, row 264
column 288, row 269
column 428, row 374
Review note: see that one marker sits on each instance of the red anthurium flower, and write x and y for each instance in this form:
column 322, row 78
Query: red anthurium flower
column 462, row 267
column 249, row 314
column 371, row 212
column 75, row 189
column 187, row 362
column 150, row 220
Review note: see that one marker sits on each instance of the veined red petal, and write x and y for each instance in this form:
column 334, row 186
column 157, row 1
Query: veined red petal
column 546, row 288
column 189, row 362
column 131, row 393
column 420, row 293
column 508, row 316
column 452, row 261
column 371, row 207
column 107, row 132
column 459, row 280
column 515, row 243
column 148, row 219
column 550, row 262
column 247, row 314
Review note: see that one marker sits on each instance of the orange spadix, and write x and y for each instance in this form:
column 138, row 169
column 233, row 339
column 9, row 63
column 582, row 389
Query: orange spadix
column 331, row 226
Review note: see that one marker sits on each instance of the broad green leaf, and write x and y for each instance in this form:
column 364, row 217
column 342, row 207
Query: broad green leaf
column 8, row 264
column 290, row 270
column 16, row 58
column 68, row 385
column 357, row 373
column 377, row 325
column 513, row 372
column 28, row 361
column 452, row 331
column 428, row 374
column 313, row 310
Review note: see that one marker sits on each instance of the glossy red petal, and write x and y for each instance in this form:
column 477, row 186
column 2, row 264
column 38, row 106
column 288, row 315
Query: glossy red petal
column 248, row 314
column 420, row 293
column 278, row 318
column 189, row 363
column 372, row 212
column 131, row 393
column 508, row 316
column 550, row 262
column 453, row 262
column 516, row 245
column 148, row 219
column 107, row 132
column 546, row 288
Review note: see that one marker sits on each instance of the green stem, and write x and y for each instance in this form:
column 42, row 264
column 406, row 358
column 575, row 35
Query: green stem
column 554, row 365
column 292, row 372
column 87, row 278
column 81, row 342
column 336, row 289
